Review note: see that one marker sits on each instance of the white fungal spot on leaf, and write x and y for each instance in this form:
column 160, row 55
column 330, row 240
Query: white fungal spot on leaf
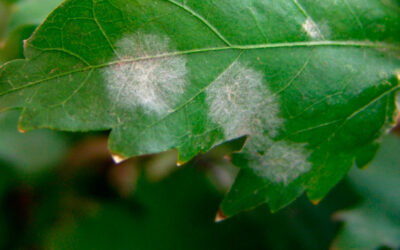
column 283, row 162
column 145, row 79
column 242, row 104
column 312, row 29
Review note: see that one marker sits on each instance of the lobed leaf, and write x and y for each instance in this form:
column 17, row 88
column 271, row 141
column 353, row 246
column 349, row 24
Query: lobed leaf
column 310, row 83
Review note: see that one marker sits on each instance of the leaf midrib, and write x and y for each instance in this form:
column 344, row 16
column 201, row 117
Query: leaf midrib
column 359, row 44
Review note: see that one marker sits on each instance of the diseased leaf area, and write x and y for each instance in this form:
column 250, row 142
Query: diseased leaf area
column 311, row 84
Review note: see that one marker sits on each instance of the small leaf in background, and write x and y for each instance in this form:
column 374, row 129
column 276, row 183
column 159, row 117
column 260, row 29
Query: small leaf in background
column 29, row 152
column 19, row 20
column 12, row 48
column 29, row 12
column 376, row 221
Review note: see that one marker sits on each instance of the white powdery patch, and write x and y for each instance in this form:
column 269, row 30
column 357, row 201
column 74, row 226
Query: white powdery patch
column 283, row 162
column 241, row 104
column 143, row 78
column 312, row 29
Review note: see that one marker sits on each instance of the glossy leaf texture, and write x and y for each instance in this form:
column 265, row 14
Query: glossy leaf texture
column 310, row 83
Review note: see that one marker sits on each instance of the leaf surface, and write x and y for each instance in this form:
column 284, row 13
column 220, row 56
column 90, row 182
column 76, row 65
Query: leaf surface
column 311, row 84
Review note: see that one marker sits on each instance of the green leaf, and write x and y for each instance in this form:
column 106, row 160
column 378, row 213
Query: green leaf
column 13, row 46
column 4, row 14
column 376, row 221
column 18, row 20
column 312, row 84
column 30, row 12
column 32, row 151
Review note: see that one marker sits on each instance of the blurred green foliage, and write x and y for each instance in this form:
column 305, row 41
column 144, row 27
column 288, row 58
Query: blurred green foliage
column 85, row 202
column 376, row 220
column 18, row 19
column 31, row 151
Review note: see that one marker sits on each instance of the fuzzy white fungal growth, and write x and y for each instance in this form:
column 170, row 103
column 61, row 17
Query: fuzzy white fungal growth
column 312, row 29
column 283, row 162
column 241, row 104
column 145, row 79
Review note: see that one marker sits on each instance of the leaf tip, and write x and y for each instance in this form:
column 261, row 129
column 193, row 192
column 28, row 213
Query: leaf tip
column 25, row 43
column 315, row 202
column 180, row 163
column 220, row 216
column 118, row 158
column 21, row 130
column 364, row 167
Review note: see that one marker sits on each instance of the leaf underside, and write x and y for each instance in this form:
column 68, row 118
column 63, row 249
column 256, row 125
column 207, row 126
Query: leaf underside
column 311, row 84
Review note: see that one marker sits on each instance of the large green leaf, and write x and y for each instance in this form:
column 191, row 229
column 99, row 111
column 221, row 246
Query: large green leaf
column 311, row 83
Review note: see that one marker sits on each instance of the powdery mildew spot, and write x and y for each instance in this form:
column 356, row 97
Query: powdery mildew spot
column 241, row 104
column 144, row 79
column 283, row 162
column 312, row 29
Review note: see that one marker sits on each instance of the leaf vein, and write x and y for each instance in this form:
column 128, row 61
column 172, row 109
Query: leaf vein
column 359, row 44
column 201, row 19
column 101, row 29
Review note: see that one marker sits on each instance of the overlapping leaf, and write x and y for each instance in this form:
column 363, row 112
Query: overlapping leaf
column 312, row 84
column 19, row 20
column 376, row 221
